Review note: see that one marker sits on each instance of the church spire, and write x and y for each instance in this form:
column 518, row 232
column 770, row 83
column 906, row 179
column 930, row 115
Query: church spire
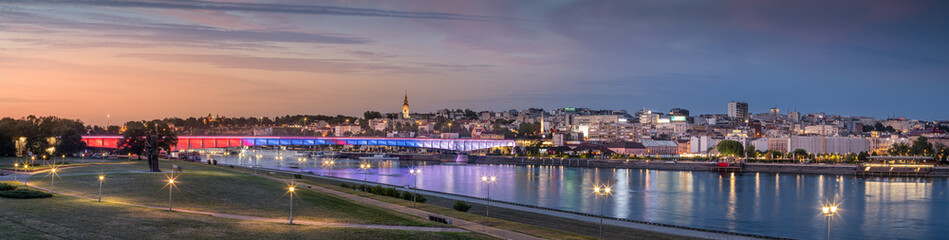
column 405, row 105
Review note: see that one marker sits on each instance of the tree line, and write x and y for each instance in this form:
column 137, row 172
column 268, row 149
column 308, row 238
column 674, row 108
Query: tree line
column 41, row 136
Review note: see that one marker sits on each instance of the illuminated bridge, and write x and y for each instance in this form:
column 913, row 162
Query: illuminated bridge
column 199, row 142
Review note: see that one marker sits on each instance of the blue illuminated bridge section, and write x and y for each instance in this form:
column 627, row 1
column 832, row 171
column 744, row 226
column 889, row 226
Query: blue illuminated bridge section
column 200, row 142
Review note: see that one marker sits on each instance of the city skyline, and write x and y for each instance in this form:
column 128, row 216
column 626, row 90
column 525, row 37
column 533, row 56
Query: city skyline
column 271, row 59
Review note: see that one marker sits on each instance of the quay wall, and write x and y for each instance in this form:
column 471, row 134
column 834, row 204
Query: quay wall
column 837, row 169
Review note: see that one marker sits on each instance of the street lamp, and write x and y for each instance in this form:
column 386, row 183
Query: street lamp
column 16, row 166
column 291, row 190
column 171, row 185
column 602, row 192
column 52, row 178
column 488, row 180
column 829, row 210
column 415, row 173
column 101, row 179
column 325, row 163
column 365, row 167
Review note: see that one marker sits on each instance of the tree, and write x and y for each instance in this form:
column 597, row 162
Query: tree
column 148, row 138
column 133, row 139
column 70, row 143
column 899, row 149
column 863, row 156
column 528, row 130
column 371, row 115
column 7, row 148
column 921, row 147
column 750, row 151
column 890, row 129
column 799, row 152
column 879, row 127
column 470, row 115
column 730, row 148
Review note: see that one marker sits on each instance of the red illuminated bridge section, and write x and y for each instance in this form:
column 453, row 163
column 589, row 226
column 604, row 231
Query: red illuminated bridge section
column 199, row 142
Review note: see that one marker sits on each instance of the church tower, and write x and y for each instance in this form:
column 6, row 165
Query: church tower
column 405, row 105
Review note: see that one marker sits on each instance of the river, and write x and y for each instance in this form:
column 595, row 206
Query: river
column 780, row 205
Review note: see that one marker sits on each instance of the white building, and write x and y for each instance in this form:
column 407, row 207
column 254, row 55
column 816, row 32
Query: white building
column 738, row 111
column 701, row 144
column 818, row 144
column 823, row 129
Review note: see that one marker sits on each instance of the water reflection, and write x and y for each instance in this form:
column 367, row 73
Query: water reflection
column 783, row 205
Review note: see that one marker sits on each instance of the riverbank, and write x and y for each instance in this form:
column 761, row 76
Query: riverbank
column 835, row 169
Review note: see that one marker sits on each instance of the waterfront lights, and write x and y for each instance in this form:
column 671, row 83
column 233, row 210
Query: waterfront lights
column 829, row 210
column 291, row 190
column 487, row 210
column 101, row 179
column 415, row 172
column 327, row 163
column 602, row 192
column 365, row 167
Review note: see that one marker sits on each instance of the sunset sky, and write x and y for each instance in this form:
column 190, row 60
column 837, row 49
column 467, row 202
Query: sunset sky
column 154, row 59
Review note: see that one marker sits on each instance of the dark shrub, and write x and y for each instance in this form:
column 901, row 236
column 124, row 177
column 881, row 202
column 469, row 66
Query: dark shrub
column 24, row 193
column 406, row 196
column 420, row 198
column 6, row 187
column 392, row 192
column 343, row 185
column 297, row 176
column 462, row 206
column 376, row 190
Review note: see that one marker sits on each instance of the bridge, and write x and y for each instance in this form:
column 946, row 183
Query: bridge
column 200, row 142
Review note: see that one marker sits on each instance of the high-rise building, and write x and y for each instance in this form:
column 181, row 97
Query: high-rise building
column 775, row 111
column 794, row 116
column 738, row 111
column 405, row 106
column 679, row 112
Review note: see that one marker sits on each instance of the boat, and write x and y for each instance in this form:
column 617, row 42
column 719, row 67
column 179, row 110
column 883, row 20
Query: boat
column 380, row 157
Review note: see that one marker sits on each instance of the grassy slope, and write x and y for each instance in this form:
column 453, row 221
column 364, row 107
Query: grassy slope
column 214, row 189
column 74, row 218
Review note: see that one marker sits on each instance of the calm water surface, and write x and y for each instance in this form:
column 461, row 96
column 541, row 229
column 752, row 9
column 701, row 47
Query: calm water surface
column 782, row 205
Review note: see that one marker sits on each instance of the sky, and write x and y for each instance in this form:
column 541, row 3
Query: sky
column 135, row 59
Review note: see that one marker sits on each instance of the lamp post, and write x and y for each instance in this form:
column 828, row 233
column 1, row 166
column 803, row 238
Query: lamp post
column 488, row 180
column 365, row 167
column 325, row 163
column 291, row 189
column 52, row 179
column 16, row 167
column 170, row 185
column 415, row 173
column 829, row 211
column 101, row 179
column 602, row 192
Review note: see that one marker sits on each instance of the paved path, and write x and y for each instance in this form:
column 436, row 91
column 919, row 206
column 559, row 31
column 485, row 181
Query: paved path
column 633, row 225
column 469, row 225
column 274, row 220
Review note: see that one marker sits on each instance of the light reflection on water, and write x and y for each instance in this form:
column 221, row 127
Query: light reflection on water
column 783, row 205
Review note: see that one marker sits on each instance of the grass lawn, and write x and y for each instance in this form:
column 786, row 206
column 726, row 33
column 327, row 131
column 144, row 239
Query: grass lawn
column 74, row 218
column 534, row 224
column 217, row 189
